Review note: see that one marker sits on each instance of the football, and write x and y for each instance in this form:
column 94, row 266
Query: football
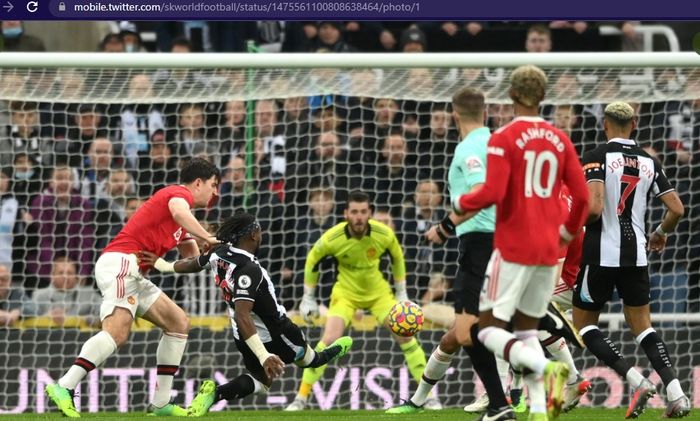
column 406, row 318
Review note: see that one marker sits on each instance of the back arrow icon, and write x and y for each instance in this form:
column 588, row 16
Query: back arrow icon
column 8, row 6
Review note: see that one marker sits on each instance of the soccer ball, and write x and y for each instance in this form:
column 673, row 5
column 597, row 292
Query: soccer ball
column 406, row 318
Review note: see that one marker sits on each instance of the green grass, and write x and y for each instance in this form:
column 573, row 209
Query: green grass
column 582, row 414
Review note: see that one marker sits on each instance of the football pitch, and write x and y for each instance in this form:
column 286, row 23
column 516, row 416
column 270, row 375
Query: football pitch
column 581, row 414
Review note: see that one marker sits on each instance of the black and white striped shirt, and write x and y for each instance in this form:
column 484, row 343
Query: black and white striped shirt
column 630, row 175
column 246, row 279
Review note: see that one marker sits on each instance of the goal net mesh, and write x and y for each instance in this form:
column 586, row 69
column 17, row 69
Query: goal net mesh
column 81, row 148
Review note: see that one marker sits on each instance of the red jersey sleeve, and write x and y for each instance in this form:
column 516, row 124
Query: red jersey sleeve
column 497, row 175
column 576, row 183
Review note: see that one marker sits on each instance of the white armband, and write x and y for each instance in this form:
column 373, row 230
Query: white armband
column 660, row 231
column 258, row 348
column 164, row 266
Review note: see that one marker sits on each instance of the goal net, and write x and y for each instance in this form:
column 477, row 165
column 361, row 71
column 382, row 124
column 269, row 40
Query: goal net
column 85, row 142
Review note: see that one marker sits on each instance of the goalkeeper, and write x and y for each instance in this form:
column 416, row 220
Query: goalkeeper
column 357, row 245
column 265, row 337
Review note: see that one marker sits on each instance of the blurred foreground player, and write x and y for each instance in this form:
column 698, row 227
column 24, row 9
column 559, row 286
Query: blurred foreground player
column 527, row 161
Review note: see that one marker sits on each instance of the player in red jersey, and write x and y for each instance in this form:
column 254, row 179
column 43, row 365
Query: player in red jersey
column 570, row 259
column 528, row 159
column 165, row 221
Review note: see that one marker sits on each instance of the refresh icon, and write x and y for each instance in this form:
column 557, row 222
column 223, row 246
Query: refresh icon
column 32, row 6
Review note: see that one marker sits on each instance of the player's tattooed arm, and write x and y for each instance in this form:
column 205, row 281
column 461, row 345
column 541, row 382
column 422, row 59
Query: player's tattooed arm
column 596, row 192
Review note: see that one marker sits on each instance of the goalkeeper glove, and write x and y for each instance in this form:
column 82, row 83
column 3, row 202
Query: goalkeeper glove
column 308, row 307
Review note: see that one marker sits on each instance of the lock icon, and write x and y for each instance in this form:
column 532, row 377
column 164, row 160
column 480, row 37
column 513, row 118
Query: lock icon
column 61, row 7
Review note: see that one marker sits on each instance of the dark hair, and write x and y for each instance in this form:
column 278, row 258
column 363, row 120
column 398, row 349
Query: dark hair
column 110, row 38
column 358, row 196
column 234, row 228
column 23, row 106
column 198, row 168
column 181, row 42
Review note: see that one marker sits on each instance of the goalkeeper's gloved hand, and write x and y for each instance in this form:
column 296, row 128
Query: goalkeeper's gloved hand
column 308, row 307
column 400, row 291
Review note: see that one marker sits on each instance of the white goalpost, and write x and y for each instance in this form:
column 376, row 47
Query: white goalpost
column 293, row 134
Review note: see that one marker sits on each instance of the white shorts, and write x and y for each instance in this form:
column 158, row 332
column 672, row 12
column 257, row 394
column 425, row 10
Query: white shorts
column 512, row 286
column 563, row 295
column 122, row 285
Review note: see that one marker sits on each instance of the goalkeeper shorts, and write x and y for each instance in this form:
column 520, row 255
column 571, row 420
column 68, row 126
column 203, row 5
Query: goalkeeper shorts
column 343, row 306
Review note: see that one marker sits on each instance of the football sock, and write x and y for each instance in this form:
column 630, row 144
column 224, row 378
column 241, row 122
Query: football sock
column 415, row 358
column 93, row 353
column 560, row 352
column 435, row 369
column 534, row 381
column 237, row 388
column 503, row 371
column 605, row 350
column 484, row 363
column 656, row 351
column 322, row 357
column 311, row 376
column 168, row 357
column 505, row 345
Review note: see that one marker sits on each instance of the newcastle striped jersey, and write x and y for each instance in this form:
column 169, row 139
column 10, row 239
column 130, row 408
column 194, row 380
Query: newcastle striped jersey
column 241, row 277
column 630, row 175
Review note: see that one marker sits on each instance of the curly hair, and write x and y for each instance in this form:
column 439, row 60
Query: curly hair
column 233, row 229
column 528, row 85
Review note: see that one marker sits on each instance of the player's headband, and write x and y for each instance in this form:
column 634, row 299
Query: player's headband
column 235, row 238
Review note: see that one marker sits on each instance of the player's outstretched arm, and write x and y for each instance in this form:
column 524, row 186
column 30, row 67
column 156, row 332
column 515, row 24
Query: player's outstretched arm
column 189, row 265
column 271, row 363
column 576, row 182
column 497, row 176
column 398, row 268
column 180, row 210
column 439, row 234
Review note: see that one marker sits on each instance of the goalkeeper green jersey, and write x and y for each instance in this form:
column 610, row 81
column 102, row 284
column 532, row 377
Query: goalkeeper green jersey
column 357, row 260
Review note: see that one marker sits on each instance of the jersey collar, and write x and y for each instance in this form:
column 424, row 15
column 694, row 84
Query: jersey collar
column 529, row 119
column 622, row 141
column 477, row 132
column 348, row 234
column 243, row 252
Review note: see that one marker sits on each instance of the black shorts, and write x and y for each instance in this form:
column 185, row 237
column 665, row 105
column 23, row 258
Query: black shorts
column 289, row 345
column 595, row 286
column 475, row 250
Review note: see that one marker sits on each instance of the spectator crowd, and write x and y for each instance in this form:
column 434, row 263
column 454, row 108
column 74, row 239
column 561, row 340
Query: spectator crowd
column 73, row 172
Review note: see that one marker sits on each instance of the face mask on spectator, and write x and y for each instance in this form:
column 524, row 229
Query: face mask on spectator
column 12, row 32
column 24, row 175
column 130, row 48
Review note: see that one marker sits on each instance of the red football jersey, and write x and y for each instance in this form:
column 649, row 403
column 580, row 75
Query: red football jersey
column 572, row 263
column 571, row 253
column 527, row 161
column 152, row 227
